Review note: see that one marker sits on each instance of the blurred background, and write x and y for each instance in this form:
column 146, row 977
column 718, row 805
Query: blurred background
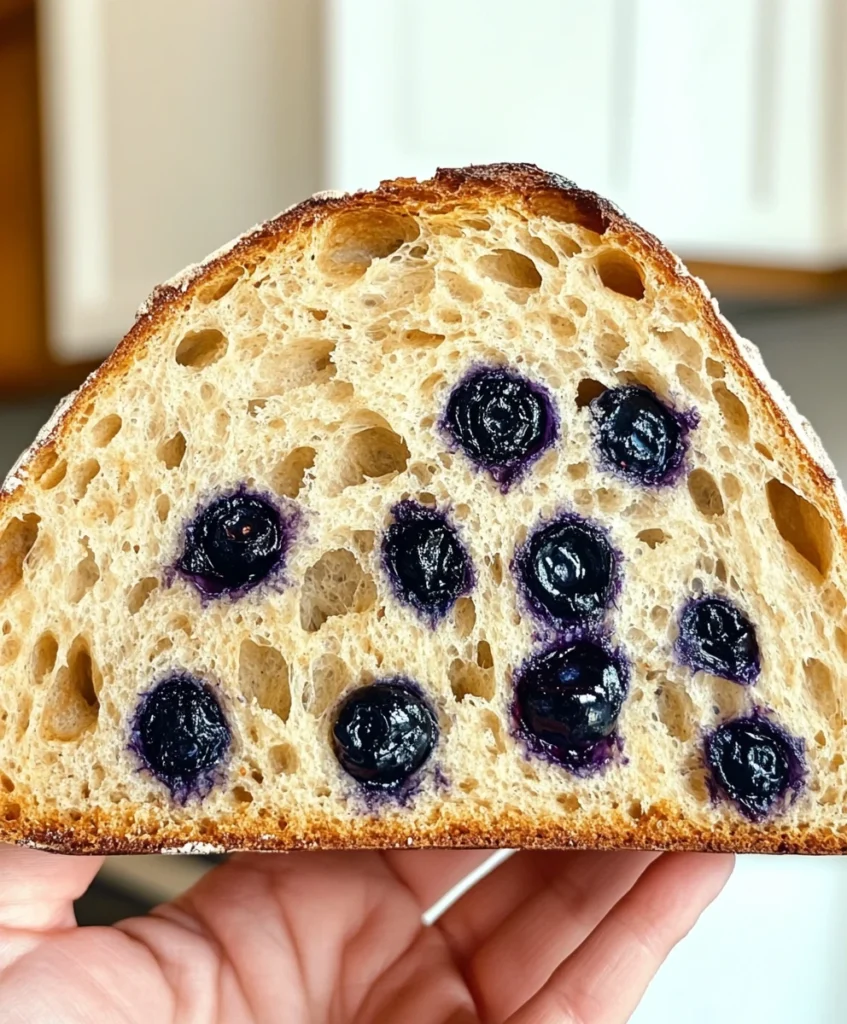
column 137, row 137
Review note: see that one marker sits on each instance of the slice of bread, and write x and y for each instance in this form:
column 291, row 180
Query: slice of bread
column 338, row 365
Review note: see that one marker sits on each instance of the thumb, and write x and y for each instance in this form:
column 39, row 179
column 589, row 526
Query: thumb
column 37, row 890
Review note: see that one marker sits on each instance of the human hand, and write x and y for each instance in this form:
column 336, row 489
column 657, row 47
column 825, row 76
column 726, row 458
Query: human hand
column 570, row 938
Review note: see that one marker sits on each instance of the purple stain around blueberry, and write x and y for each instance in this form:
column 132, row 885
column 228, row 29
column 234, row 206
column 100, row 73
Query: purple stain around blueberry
column 233, row 544
column 181, row 735
column 568, row 570
column 384, row 733
column 716, row 636
column 637, row 435
column 425, row 560
column 567, row 703
column 754, row 762
column 501, row 421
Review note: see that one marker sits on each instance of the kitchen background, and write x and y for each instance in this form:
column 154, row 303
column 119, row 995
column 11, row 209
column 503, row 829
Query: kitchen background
column 137, row 137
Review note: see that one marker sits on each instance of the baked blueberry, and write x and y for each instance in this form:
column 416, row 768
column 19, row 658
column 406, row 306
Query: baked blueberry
column 638, row 436
column 425, row 560
column 181, row 735
column 233, row 544
column 568, row 570
column 384, row 733
column 754, row 762
column 716, row 636
column 567, row 702
column 501, row 420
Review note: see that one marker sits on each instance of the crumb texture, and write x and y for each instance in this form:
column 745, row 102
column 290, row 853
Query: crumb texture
column 314, row 364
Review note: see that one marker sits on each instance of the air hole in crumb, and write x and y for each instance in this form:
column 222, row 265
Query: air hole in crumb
column 620, row 273
column 54, row 474
column 459, row 287
column 356, row 238
column 587, row 390
column 570, row 802
column 635, row 810
column 497, row 569
column 242, row 795
column 469, row 679
column 801, row 526
column 283, row 759
column 364, row 541
column 464, row 616
column 10, row 650
column 484, row 658
column 373, row 453
column 172, row 451
column 510, row 268
column 492, row 723
column 820, row 738
column 263, row 677
column 83, row 476
column 763, row 449
column 44, row 655
column 16, row 542
column 705, row 493
column 329, row 676
column 6, row 783
column 609, row 348
column 841, row 641
column 318, row 314
column 11, row 812
column 690, row 381
column 715, row 369
column 287, row 479
column 820, row 683
column 335, row 585
column 541, row 251
column 653, row 537
column 683, row 346
column 734, row 411
column 304, row 361
column 163, row 507
column 731, row 487
column 220, row 287
column 72, row 706
column 140, row 593
column 200, row 349
column 106, row 430
column 83, row 577
column 677, row 711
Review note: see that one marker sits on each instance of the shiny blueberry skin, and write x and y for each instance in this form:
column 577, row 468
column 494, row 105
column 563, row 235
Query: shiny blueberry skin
column 716, row 636
column 754, row 763
column 568, row 570
column 501, row 420
column 384, row 733
column 637, row 435
column 567, row 702
column 181, row 735
column 233, row 544
column 425, row 560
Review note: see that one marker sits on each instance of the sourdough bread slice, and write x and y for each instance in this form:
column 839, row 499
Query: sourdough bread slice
column 337, row 364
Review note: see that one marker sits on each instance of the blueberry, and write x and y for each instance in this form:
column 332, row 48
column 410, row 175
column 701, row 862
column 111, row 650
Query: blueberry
column 425, row 559
column 638, row 436
column 233, row 544
column 716, row 636
column 567, row 702
column 500, row 420
column 754, row 762
column 568, row 569
column 181, row 735
column 383, row 733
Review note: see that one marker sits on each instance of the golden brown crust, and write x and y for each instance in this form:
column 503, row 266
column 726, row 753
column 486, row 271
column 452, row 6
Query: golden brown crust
column 532, row 191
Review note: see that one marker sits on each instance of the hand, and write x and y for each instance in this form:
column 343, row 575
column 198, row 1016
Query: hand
column 570, row 938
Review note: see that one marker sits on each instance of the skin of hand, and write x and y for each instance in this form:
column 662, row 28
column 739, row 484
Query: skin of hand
column 545, row 938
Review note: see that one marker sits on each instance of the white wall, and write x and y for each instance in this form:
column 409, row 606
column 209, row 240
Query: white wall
column 169, row 128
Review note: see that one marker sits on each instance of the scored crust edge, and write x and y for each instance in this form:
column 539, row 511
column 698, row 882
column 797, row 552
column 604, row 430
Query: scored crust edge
column 518, row 184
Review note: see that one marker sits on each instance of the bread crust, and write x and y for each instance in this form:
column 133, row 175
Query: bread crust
column 533, row 191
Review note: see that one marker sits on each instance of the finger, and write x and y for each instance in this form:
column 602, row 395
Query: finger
column 480, row 913
column 431, row 874
column 605, row 979
column 37, row 889
column 575, row 894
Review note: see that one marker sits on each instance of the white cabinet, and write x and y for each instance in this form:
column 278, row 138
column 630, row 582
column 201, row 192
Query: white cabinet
column 720, row 126
column 169, row 127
